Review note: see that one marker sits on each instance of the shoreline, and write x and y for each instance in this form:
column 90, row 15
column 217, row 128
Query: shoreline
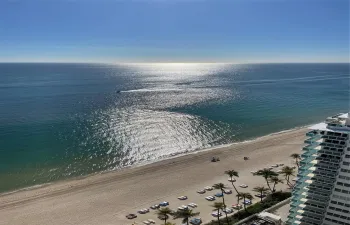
column 106, row 198
column 37, row 186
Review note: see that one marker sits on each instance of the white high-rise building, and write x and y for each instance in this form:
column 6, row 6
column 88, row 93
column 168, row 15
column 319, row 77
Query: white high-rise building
column 321, row 195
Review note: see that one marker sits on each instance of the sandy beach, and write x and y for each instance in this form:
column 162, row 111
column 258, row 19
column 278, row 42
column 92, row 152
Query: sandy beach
column 107, row 198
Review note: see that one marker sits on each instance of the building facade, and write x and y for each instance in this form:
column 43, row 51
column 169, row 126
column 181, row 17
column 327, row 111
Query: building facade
column 321, row 195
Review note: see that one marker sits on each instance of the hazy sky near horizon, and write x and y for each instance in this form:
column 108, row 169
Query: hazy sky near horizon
column 174, row 31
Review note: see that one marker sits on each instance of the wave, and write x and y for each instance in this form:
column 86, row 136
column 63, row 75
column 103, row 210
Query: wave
column 25, row 189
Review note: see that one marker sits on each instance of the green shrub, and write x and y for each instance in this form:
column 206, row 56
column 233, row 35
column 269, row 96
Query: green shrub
column 269, row 201
column 256, row 208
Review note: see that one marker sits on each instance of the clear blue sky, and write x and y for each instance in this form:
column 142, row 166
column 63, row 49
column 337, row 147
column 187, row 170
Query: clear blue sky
column 174, row 30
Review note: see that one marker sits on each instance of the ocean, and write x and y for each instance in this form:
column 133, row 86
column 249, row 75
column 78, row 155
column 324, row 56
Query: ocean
column 59, row 121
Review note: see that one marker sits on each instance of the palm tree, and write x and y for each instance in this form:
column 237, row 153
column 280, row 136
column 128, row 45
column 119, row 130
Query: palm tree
column 287, row 172
column 297, row 158
column 246, row 196
column 164, row 212
column 221, row 186
column 275, row 180
column 231, row 174
column 185, row 214
column 267, row 174
column 218, row 206
column 261, row 190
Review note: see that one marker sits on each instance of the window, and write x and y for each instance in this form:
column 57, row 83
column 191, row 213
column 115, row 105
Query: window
column 347, row 156
column 344, row 177
column 345, row 170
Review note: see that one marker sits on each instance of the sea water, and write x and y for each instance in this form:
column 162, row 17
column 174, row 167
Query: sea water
column 66, row 120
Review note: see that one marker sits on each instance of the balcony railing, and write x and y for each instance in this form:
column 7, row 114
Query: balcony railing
column 309, row 153
column 313, row 138
column 303, row 174
column 312, row 133
column 307, row 160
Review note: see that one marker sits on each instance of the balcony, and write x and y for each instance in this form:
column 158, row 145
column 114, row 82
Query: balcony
column 316, row 201
column 308, row 159
column 306, row 213
column 324, row 198
column 294, row 204
column 313, row 139
column 292, row 216
column 314, row 208
column 328, row 160
column 304, row 173
column 312, row 133
column 325, row 179
column 302, row 180
column 309, row 153
column 322, row 192
column 306, row 148
column 309, row 168
column 308, row 220
column 317, row 196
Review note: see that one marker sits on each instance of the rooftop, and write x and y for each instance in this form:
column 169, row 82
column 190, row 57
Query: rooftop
column 337, row 123
column 265, row 218
column 256, row 220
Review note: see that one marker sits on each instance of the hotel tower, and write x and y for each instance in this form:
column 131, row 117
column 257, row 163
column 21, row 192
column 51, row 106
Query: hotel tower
column 321, row 195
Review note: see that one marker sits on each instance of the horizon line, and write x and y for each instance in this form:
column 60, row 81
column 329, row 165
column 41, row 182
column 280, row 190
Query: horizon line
column 176, row 62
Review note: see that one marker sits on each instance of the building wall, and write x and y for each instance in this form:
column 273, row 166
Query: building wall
column 338, row 211
column 325, row 200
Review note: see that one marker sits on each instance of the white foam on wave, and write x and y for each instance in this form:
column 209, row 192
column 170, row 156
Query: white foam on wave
column 26, row 189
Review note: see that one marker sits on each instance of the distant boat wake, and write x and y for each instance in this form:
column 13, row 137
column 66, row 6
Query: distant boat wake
column 154, row 90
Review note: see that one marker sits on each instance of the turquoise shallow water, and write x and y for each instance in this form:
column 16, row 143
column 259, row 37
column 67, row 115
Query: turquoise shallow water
column 65, row 120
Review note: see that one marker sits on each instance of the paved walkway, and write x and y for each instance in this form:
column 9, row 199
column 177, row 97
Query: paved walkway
column 283, row 212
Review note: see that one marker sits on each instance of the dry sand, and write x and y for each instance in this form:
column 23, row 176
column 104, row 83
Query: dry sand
column 107, row 198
